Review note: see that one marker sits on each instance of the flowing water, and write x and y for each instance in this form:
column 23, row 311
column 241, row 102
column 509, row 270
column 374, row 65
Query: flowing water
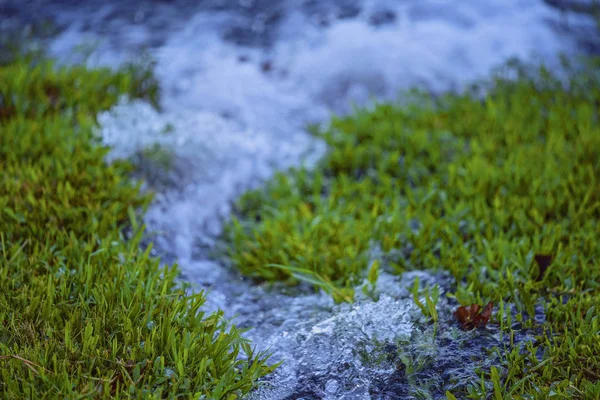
column 241, row 80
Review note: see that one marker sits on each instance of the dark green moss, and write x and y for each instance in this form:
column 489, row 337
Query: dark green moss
column 470, row 183
column 34, row 88
column 83, row 311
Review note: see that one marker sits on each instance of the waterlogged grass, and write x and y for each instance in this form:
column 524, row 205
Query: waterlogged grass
column 84, row 312
column 477, row 184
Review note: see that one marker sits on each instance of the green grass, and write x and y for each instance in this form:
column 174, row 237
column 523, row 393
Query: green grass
column 475, row 184
column 84, row 312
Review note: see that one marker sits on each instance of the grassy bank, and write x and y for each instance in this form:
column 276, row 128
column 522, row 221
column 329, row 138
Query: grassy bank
column 84, row 313
column 480, row 184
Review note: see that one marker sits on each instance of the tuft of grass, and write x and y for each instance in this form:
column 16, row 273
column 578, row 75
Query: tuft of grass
column 478, row 184
column 84, row 311
column 309, row 276
column 431, row 295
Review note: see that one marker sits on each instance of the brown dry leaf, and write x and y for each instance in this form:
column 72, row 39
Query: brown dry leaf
column 470, row 317
column 482, row 319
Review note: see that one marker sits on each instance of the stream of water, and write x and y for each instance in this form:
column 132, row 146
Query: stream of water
column 241, row 80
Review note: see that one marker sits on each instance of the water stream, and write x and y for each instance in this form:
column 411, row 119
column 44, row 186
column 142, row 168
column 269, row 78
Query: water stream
column 241, row 80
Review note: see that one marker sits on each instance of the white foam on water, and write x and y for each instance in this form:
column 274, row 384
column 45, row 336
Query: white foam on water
column 215, row 160
column 436, row 44
column 233, row 123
